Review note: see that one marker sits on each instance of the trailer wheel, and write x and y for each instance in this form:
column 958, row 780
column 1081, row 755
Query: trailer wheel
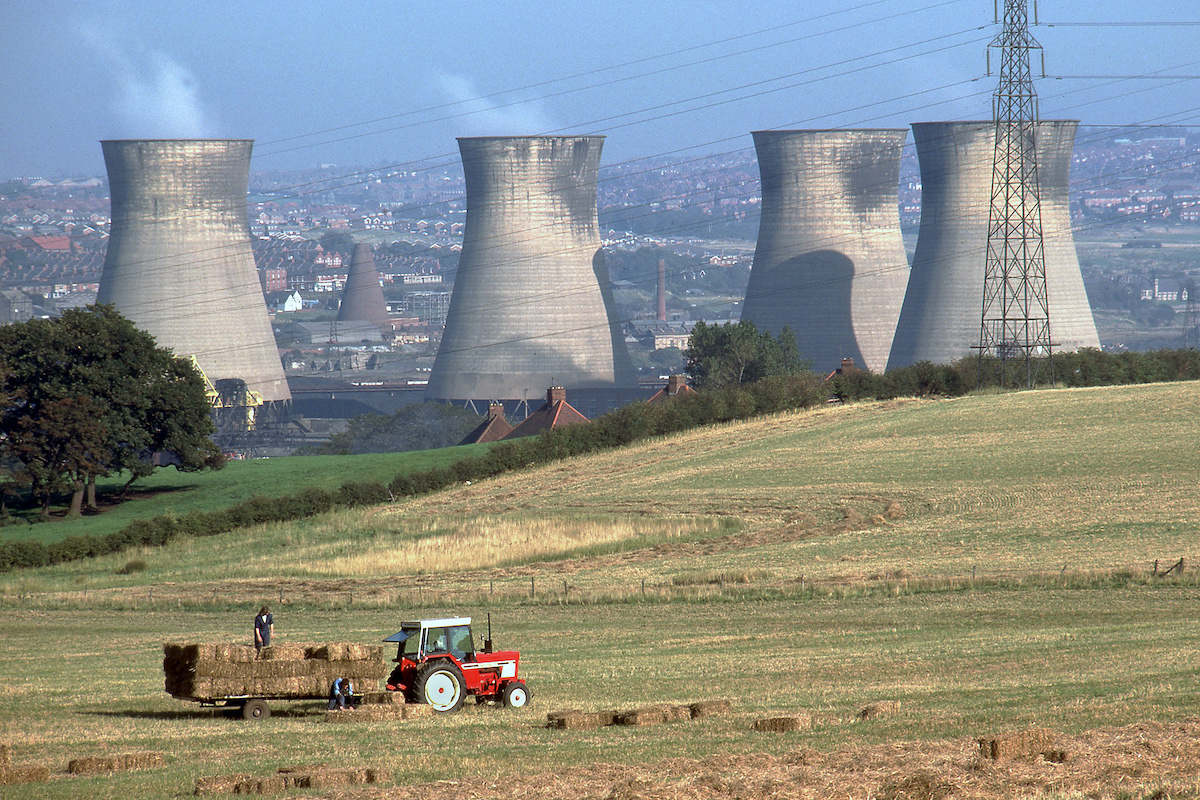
column 516, row 695
column 441, row 685
column 256, row 709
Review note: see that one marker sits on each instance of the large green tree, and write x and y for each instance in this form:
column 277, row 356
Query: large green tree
column 90, row 394
column 732, row 354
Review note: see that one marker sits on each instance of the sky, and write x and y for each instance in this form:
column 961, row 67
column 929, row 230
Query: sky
column 372, row 83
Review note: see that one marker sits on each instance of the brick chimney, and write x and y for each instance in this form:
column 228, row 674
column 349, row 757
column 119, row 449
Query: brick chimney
column 675, row 384
column 556, row 394
column 848, row 364
column 495, row 410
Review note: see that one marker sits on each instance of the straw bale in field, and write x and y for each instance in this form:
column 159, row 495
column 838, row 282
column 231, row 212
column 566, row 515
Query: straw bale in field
column 5, row 755
column 677, row 713
column 220, row 784
column 880, row 708
column 283, row 652
column 784, row 724
column 651, row 715
column 608, row 717
column 574, row 720
column 337, row 778
column 366, row 713
column 233, row 653
column 28, row 773
column 1019, row 744
column 710, row 708
column 126, row 761
column 922, row 786
column 894, row 510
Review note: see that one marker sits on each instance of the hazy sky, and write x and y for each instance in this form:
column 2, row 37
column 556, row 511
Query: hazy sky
column 371, row 82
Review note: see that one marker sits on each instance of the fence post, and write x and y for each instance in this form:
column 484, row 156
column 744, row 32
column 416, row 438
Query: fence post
column 643, row 587
column 280, row 595
column 532, row 587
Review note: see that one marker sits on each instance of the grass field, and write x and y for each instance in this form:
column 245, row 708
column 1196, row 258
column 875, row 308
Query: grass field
column 986, row 562
column 169, row 491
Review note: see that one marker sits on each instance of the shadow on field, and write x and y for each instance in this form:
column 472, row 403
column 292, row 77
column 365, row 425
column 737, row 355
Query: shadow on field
column 294, row 711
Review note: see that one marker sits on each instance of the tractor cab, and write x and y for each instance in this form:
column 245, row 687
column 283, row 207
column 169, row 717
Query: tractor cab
column 436, row 663
column 421, row 639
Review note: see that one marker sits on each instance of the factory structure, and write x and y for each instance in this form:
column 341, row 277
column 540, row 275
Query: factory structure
column 830, row 261
column 179, row 265
column 940, row 319
column 532, row 305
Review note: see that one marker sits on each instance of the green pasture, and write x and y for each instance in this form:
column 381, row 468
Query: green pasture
column 170, row 491
column 986, row 561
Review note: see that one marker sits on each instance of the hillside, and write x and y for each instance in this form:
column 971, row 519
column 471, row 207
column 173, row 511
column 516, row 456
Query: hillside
column 984, row 564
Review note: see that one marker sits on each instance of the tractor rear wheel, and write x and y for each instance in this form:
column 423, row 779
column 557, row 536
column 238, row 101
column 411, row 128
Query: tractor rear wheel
column 441, row 685
column 516, row 695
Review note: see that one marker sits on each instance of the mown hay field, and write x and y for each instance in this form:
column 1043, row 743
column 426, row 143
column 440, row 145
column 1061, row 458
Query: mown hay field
column 980, row 565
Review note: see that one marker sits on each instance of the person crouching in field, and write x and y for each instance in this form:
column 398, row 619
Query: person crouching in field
column 341, row 695
column 264, row 629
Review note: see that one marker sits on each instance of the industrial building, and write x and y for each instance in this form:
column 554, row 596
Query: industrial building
column 941, row 318
column 362, row 296
column 830, row 262
column 532, row 305
column 179, row 263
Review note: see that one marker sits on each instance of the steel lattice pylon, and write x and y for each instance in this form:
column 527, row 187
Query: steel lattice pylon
column 1016, row 308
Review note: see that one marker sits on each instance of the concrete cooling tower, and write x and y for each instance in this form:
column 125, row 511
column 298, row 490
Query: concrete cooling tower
column 940, row 321
column 362, row 296
column 532, row 305
column 179, row 263
column 830, row 261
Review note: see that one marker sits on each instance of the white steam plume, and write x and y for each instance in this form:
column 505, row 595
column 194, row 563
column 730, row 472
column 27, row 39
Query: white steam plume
column 156, row 96
column 484, row 116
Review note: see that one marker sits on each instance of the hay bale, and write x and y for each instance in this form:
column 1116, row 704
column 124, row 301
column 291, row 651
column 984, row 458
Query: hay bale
column 922, row 786
column 608, row 717
column 28, row 773
column 338, row 778
column 880, row 708
column 221, row 784
column 677, row 713
column 366, row 713
column 894, row 510
column 784, row 724
column 92, row 766
column 383, row 698
column 5, row 755
column 1056, row 756
column 710, row 708
column 364, row 652
column 328, row 651
column 651, row 715
column 576, row 721
column 1020, row 744
column 283, row 652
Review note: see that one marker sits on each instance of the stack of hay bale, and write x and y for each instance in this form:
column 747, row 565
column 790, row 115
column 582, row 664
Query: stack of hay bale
column 215, row 671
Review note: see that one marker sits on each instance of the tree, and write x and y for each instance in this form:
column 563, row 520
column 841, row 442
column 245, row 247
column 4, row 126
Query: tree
column 141, row 400
column 732, row 354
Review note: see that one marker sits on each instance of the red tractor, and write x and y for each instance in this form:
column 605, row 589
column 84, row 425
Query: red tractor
column 436, row 663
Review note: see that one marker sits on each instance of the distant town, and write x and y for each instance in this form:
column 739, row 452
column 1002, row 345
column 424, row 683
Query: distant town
column 1135, row 208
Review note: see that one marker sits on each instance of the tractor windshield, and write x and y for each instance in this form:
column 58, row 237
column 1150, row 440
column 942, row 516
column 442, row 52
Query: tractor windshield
column 408, row 643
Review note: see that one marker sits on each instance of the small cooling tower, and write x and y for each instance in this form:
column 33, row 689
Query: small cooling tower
column 830, row 261
column 179, row 263
column 532, row 305
column 943, row 307
column 362, row 296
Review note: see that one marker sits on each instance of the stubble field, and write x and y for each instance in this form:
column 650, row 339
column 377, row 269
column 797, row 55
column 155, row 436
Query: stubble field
column 985, row 563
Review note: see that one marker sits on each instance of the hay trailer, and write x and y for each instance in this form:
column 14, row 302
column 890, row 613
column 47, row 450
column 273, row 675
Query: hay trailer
column 238, row 678
column 437, row 663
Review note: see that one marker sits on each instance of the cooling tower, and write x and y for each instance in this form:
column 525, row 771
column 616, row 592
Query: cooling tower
column 830, row 262
column 532, row 305
column 179, row 263
column 940, row 321
column 362, row 296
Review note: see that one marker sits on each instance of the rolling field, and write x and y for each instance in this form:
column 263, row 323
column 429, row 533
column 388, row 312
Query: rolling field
column 985, row 562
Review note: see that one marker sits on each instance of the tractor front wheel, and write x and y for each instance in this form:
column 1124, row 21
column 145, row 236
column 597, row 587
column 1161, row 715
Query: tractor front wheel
column 442, row 686
column 516, row 695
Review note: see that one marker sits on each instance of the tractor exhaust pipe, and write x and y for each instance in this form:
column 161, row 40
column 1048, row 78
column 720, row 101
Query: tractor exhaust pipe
column 487, row 643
